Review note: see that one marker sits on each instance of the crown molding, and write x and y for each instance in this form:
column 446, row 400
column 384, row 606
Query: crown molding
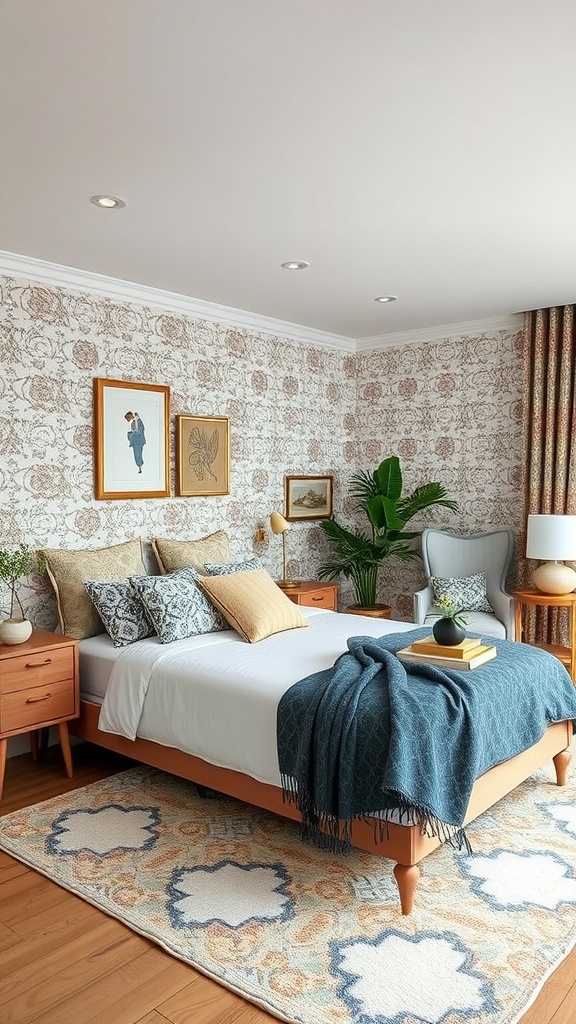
column 59, row 276
column 513, row 322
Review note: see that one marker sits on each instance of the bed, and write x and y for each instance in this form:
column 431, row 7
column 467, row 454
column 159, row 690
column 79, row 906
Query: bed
column 224, row 738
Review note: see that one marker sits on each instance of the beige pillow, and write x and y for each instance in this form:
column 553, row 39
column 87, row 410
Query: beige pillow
column 252, row 603
column 69, row 570
column 178, row 554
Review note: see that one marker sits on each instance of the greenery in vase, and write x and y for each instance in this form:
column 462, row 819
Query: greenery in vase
column 14, row 565
column 451, row 611
column 357, row 554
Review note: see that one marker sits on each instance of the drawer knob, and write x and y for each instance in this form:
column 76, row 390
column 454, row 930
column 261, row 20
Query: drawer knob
column 318, row 598
column 35, row 700
column 38, row 664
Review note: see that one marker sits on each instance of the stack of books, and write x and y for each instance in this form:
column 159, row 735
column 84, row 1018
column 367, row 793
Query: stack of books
column 470, row 653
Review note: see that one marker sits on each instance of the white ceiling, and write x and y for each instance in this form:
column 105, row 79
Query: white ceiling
column 425, row 149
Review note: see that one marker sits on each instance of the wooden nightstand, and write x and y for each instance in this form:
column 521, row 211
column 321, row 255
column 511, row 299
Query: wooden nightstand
column 315, row 594
column 524, row 598
column 38, row 688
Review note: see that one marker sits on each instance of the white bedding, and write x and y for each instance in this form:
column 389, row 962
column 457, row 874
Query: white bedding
column 216, row 696
column 97, row 657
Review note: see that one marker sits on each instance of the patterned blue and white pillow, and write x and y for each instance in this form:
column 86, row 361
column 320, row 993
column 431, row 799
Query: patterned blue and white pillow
column 465, row 592
column 176, row 606
column 120, row 609
column 223, row 568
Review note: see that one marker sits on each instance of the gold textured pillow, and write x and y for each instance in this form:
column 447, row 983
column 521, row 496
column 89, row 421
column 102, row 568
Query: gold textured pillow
column 69, row 570
column 252, row 603
column 179, row 554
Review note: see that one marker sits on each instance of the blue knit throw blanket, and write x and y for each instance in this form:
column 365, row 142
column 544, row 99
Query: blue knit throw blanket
column 375, row 736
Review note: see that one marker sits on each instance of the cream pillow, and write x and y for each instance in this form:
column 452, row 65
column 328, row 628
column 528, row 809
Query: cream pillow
column 252, row 603
column 70, row 570
column 179, row 554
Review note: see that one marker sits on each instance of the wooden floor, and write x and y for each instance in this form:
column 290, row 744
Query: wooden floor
column 64, row 962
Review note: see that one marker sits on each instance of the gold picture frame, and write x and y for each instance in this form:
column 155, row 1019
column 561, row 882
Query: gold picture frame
column 202, row 456
column 308, row 497
column 131, row 440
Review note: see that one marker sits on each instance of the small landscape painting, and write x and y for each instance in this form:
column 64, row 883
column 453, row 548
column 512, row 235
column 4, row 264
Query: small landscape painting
column 308, row 497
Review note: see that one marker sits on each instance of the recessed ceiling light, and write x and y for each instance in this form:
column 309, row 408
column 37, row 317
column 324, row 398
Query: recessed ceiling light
column 386, row 298
column 295, row 265
column 107, row 202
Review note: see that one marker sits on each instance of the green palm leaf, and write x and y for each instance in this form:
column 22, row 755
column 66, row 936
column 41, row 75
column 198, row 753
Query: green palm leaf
column 357, row 556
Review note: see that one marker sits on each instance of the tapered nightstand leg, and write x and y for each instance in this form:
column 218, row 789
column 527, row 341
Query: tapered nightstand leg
column 3, row 753
column 39, row 742
column 34, row 744
column 65, row 744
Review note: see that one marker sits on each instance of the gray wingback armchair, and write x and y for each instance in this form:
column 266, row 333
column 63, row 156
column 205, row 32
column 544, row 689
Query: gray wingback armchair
column 449, row 555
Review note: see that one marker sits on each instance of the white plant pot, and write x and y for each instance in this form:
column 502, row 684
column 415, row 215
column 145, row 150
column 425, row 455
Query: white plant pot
column 15, row 631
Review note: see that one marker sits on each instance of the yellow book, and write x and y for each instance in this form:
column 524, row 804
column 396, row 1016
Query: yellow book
column 428, row 645
column 479, row 656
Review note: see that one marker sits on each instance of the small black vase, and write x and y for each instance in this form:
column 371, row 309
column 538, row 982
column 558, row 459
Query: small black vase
column 447, row 632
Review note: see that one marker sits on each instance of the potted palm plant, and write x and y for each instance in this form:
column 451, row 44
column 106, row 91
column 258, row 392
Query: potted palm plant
column 14, row 565
column 358, row 554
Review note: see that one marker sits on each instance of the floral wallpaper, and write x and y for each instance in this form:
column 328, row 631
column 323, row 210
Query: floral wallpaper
column 451, row 410
column 290, row 407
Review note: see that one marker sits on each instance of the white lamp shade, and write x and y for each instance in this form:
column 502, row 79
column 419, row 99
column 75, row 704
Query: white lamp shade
column 551, row 537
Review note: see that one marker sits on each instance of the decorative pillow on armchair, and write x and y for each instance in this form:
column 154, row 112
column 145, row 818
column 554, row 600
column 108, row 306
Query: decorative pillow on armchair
column 465, row 592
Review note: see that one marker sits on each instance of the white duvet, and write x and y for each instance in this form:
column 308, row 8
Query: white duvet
column 216, row 696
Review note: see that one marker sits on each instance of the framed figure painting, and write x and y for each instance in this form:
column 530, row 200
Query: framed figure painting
column 202, row 455
column 308, row 497
column 131, row 439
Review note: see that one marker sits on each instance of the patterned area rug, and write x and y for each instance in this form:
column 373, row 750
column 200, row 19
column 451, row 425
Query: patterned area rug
column 310, row 936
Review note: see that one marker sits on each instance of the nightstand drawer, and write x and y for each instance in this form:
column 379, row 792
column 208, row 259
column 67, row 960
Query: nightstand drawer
column 314, row 595
column 319, row 599
column 38, row 687
column 26, row 709
column 36, row 669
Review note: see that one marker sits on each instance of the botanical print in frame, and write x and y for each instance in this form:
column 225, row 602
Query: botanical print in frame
column 308, row 497
column 202, row 455
column 131, row 439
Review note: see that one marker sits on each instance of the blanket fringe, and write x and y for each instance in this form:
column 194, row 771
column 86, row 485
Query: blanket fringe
column 327, row 832
column 431, row 825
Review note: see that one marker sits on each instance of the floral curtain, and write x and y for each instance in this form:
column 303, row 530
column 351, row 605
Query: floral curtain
column 550, row 438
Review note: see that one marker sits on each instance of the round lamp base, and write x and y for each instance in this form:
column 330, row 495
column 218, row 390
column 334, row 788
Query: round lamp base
column 554, row 578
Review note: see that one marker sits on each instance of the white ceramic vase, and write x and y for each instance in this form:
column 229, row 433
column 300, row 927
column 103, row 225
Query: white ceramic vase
column 15, row 631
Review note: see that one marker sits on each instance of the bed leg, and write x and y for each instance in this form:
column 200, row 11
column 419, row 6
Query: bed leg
column 561, row 762
column 407, row 876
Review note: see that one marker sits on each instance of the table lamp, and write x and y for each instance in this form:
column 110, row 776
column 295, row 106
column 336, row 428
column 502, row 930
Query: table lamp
column 280, row 525
column 552, row 538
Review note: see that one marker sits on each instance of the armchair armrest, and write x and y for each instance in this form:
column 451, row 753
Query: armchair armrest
column 423, row 601
column 503, row 605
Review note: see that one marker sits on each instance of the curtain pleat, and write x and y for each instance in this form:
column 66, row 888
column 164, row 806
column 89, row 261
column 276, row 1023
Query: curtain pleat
column 550, row 438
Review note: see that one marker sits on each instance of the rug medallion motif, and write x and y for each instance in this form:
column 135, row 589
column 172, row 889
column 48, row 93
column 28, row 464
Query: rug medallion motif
column 312, row 937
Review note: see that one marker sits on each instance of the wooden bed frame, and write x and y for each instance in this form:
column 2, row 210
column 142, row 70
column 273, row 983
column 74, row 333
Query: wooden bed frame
column 404, row 844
